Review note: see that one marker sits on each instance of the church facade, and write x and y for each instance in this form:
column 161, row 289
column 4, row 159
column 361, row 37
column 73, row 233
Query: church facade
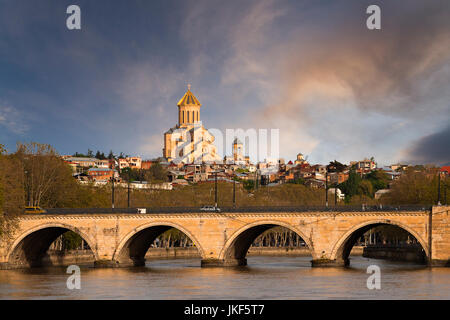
column 189, row 141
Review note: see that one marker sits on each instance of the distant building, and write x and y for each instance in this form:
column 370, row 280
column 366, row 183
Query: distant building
column 364, row 166
column 130, row 162
column 81, row 164
column 189, row 141
column 238, row 151
column 102, row 174
column 300, row 159
column 147, row 164
column 398, row 167
column 339, row 195
column 391, row 173
column 445, row 170
column 337, row 177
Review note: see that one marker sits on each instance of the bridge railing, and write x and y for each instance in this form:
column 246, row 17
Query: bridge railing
column 156, row 210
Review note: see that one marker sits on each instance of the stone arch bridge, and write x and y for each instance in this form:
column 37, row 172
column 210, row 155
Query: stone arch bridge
column 222, row 239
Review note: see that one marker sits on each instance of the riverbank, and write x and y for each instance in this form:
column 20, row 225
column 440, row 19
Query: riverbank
column 410, row 254
column 85, row 256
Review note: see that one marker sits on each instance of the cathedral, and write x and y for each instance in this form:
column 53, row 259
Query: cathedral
column 189, row 141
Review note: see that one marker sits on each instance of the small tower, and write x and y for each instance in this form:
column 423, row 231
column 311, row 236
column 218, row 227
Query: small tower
column 188, row 109
column 300, row 159
column 237, row 150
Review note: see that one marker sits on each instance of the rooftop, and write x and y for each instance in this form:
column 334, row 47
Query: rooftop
column 188, row 99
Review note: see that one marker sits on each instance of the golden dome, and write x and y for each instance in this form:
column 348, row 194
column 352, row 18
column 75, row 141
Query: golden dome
column 188, row 99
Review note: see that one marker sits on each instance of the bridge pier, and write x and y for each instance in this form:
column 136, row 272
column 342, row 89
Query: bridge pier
column 324, row 263
column 209, row 263
column 119, row 264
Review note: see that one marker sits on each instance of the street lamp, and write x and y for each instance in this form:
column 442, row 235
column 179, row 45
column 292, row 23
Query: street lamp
column 326, row 189
column 215, row 186
column 234, row 193
column 439, row 189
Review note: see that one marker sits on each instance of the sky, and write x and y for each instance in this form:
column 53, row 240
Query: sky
column 312, row 69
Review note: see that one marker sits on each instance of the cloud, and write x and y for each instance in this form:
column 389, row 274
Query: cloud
column 151, row 146
column 431, row 149
column 12, row 119
column 309, row 68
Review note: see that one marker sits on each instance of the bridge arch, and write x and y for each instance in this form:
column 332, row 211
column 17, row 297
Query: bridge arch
column 133, row 247
column 236, row 247
column 341, row 249
column 29, row 247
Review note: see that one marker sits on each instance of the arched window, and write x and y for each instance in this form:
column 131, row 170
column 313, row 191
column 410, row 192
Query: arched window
column 183, row 117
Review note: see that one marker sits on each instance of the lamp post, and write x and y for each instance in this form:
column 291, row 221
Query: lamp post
column 112, row 193
column 335, row 195
column 234, row 193
column 439, row 189
column 326, row 189
column 28, row 187
column 128, row 189
column 215, row 188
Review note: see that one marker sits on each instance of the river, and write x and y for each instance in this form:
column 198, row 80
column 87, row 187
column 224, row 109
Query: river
column 263, row 278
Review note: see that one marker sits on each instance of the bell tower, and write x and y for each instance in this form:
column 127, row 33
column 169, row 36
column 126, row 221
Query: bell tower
column 188, row 109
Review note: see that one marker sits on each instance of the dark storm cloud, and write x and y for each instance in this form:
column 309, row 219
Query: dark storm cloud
column 310, row 68
column 432, row 149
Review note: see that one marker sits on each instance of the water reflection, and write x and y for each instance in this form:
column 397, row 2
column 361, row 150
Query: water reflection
column 263, row 278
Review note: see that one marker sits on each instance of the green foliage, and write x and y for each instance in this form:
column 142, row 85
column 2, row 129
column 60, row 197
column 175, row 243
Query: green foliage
column 249, row 185
column 379, row 179
column 157, row 173
column 365, row 188
column 351, row 186
column 336, row 166
column 11, row 192
column 298, row 181
column 71, row 240
column 418, row 187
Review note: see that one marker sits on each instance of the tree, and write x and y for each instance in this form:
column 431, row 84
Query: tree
column 48, row 179
column 351, row 186
column 336, row 166
column 11, row 192
column 71, row 240
column 365, row 188
column 111, row 155
column 249, row 185
column 415, row 187
column 379, row 179
column 156, row 173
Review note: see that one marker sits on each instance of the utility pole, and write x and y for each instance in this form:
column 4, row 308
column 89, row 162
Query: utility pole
column 112, row 194
column 28, row 188
column 439, row 189
column 128, row 189
column 326, row 189
column 215, row 188
column 335, row 195
column 234, row 193
column 445, row 193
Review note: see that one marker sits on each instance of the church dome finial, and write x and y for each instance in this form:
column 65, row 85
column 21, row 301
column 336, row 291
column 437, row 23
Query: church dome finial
column 188, row 99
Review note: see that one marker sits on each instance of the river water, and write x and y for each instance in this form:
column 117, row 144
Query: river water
column 263, row 278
